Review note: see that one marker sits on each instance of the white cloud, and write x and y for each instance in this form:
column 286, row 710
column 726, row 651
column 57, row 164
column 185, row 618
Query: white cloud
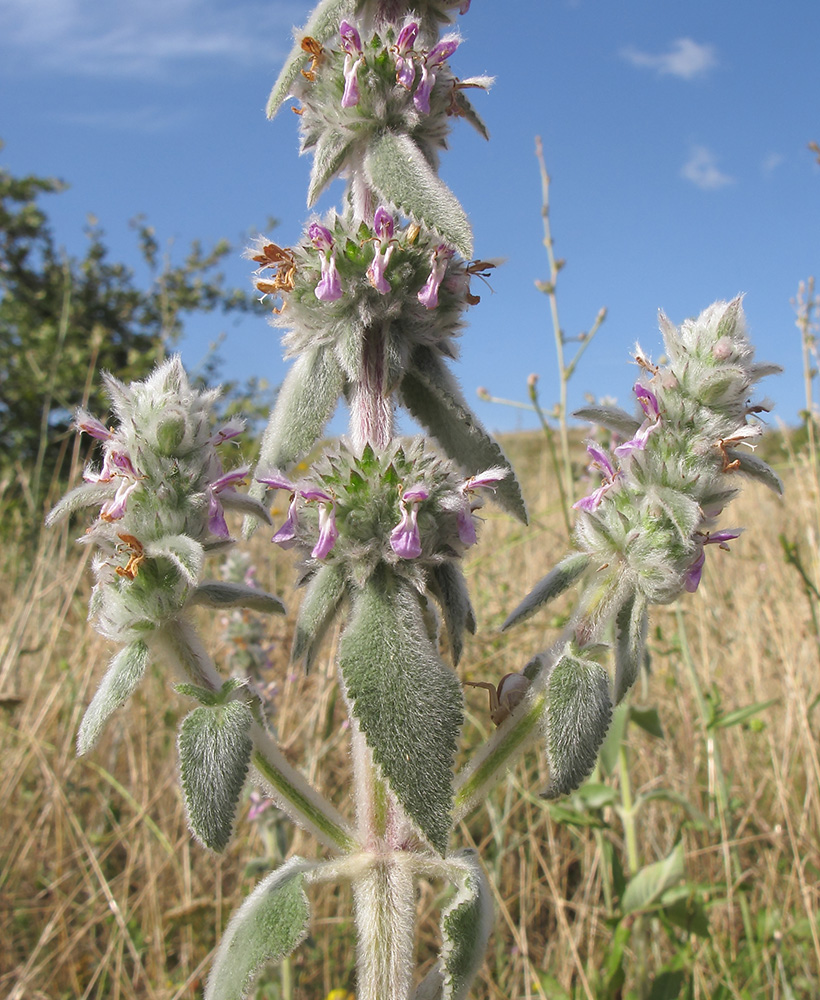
column 685, row 59
column 702, row 170
column 141, row 38
column 771, row 162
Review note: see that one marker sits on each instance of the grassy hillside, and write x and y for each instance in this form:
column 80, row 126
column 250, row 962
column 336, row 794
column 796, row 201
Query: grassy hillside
column 103, row 893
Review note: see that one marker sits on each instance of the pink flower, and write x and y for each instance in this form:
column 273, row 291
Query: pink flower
column 216, row 515
column 600, row 461
column 649, row 405
column 428, row 295
column 383, row 226
column 328, row 532
column 435, row 57
column 352, row 44
column 406, row 68
column 405, row 540
column 691, row 579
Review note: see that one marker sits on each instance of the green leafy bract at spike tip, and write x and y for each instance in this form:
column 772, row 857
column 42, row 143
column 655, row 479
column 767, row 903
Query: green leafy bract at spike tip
column 324, row 22
column 119, row 683
column 402, row 177
column 270, row 923
column 431, row 396
column 577, row 716
column 630, row 634
column 214, row 754
column 321, row 601
column 407, row 701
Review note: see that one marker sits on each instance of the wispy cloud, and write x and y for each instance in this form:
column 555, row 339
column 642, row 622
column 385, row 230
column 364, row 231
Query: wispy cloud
column 141, row 38
column 685, row 59
column 702, row 170
column 771, row 162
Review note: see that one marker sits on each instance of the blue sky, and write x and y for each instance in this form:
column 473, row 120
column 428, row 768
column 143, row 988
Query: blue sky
column 675, row 135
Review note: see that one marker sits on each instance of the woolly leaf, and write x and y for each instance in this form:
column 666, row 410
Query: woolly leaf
column 304, row 405
column 233, row 500
column 85, row 495
column 268, row 925
column 630, row 627
column 754, row 467
column 214, row 753
column 466, row 923
column 558, row 580
column 401, row 175
column 322, row 598
column 465, row 109
column 649, row 884
column 182, row 551
column 328, row 157
column 612, row 417
column 408, row 703
column 218, row 594
column 578, row 712
column 324, row 22
column 119, row 683
column 432, row 396
column 448, row 586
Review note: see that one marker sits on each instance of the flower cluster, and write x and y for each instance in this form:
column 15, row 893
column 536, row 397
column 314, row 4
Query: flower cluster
column 342, row 281
column 162, row 493
column 642, row 533
column 354, row 87
column 407, row 508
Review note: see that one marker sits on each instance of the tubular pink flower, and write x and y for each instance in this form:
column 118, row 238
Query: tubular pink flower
column 466, row 525
column 230, row 430
column 691, row 579
column 329, row 288
column 404, row 538
column 435, row 57
column 320, row 236
column 375, row 273
column 328, row 532
column 490, row 478
column 216, row 515
column 285, row 537
column 406, row 68
column 428, row 294
column 114, row 509
column 94, row 428
column 649, row 404
column 383, row 224
column 277, row 482
column 352, row 44
column 600, row 461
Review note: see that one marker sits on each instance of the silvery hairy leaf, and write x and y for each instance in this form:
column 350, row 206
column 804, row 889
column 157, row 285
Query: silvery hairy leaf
column 577, row 715
column 328, row 156
column 754, row 467
column 612, row 417
column 324, row 22
column 214, row 754
column 303, row 407
column 321, row 601
column 431, row 395
column 559, row 579
column 466, row 923
column 407, row 701
column 84, row 495
column 402, row 177
column 183, row 552
column 630, row 643
column 268, row 925
column 119, row 683
column 219, row 594
column 448, row 586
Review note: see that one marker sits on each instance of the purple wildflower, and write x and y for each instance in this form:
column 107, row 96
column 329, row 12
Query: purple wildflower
column 600, row 461
column 352, row 44
column 329, row 288
column 406, row 68
column 114, row 509
column 93, row 427
column 691, row 579
column 285, row 537
column 428, row 295
column 328, row 532
column 216, row 515
column 649, row 404
column 383, row 226
column 405, row 540
column 440, row 53
column 230, row 430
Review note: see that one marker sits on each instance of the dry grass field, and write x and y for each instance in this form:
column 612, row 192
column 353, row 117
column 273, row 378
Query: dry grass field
column 103, row 893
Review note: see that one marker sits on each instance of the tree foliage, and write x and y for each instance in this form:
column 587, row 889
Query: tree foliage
column 63, row 319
